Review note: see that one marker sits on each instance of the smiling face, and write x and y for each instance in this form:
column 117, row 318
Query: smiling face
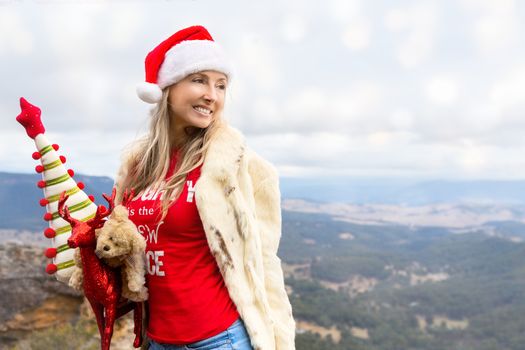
column 196, row 100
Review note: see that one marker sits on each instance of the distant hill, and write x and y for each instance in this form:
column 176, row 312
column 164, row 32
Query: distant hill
column 20, row 196
column 403, row 191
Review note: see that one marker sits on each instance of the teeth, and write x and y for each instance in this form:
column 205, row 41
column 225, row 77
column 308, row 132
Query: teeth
column 202, row 110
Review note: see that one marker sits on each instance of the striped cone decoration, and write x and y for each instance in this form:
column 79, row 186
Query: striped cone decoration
column 55, row 179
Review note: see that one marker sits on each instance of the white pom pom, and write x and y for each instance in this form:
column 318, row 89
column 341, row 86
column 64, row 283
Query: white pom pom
column 148, row 92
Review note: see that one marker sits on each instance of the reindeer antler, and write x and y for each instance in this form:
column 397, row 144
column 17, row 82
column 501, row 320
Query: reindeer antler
column 63, row 210
column 127, row 197
column 111, row 202
column 97, row 221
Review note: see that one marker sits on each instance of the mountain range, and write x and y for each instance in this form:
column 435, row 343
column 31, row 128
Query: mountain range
column 19, row 195
column 369, row 265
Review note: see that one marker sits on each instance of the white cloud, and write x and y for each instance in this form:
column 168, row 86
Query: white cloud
column 355, row 28
column 266, row 115
column 379, row 138
column 442, row 90
column 384, row 141
column 489, row 5
column 16, row 158
column 359, row 106
column 376, row 154
column 494, row 32
column 496, row 25
column 415, row 27
column 258, row 60
column 480, row 117
column 91, row 93
column 401, row 119
column 293, row 27
column 345, row 10
column 397, row 20
column 337, row 110
column 71, row 31
column 356, row 108
column 414, row 50
column 509, row 91
column 471, row 157
column 356, row 34
column 311, row 150
column 124, row 25
column 306, row 109
column 14, row 35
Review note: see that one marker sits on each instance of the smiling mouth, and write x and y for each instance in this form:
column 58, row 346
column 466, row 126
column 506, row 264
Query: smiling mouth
column 204, row 111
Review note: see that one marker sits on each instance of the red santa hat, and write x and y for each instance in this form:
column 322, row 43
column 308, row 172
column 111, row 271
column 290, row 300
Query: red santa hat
column 188, row 51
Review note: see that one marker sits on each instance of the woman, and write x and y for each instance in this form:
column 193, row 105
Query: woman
column 209, row 208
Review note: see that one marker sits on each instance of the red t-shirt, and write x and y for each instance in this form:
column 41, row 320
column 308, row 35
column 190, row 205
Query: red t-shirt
column 188, row 300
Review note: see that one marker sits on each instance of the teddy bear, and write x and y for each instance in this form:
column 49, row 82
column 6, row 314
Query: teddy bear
column 119, row 244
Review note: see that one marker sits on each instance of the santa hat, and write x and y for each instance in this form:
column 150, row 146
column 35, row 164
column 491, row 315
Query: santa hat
column 188, row 51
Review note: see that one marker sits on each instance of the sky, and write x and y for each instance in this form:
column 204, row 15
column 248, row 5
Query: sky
column 379, row 88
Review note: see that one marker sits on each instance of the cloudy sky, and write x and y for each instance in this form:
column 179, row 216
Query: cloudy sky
column 420, row 88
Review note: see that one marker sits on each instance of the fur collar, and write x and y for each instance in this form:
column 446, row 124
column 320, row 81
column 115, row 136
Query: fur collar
column 221, row 162
column 224, row 154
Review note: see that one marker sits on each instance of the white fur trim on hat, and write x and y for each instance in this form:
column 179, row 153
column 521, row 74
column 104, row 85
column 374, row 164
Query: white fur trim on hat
column 189, row 57
column 148, row 92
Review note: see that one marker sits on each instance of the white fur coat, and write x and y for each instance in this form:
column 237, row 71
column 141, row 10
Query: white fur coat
column 238, row 200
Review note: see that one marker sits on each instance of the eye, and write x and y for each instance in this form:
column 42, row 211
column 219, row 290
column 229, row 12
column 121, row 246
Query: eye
column 198, row 80
column 222, row 87
column 111, row 238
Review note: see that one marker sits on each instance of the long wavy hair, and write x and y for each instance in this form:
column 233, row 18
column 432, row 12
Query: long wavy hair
column 151, row 154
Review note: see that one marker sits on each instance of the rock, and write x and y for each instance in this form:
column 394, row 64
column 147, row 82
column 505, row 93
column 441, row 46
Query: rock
column 31, row 299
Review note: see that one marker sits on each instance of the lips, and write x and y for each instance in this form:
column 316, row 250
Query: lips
column 203, row 110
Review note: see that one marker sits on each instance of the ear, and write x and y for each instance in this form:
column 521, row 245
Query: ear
column 120, row 213
column 138, row 244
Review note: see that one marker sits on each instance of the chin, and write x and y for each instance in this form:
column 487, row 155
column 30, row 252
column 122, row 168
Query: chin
column 203, row 125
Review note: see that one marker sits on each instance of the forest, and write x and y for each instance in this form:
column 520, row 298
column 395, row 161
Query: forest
column 383, row 287
column 432, row 288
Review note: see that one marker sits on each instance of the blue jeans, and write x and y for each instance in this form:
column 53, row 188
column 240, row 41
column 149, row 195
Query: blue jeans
column 234, row 338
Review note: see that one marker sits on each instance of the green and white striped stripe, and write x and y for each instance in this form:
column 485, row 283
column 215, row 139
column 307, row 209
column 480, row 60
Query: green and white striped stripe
column 58, row 180
column 65, row 264
column 74, row 208
column 62, row 248
column 67, row 228
column 46, row 149
column 52, row 165
column 56, row 197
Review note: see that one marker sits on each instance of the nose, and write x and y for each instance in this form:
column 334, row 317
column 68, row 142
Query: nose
column 211, row 94
column 71, row 243
column 106, row 248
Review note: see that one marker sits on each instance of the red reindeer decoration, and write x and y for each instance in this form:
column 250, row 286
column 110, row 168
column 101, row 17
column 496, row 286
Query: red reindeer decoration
column 102, row 283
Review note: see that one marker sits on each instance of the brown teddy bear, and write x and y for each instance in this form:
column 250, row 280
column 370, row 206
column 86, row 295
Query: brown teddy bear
column 119, row 244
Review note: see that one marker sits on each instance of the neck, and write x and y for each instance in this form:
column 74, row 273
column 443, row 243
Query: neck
column 182, row 135
column 88, row 256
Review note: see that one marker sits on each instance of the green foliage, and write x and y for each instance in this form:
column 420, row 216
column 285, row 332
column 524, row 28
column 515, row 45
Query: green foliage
column 312, row 341
column 342, row 268
column 485, row 285
column 325, row 307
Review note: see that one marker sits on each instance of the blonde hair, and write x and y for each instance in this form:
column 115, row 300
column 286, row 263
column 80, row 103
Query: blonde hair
column 151, row 159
